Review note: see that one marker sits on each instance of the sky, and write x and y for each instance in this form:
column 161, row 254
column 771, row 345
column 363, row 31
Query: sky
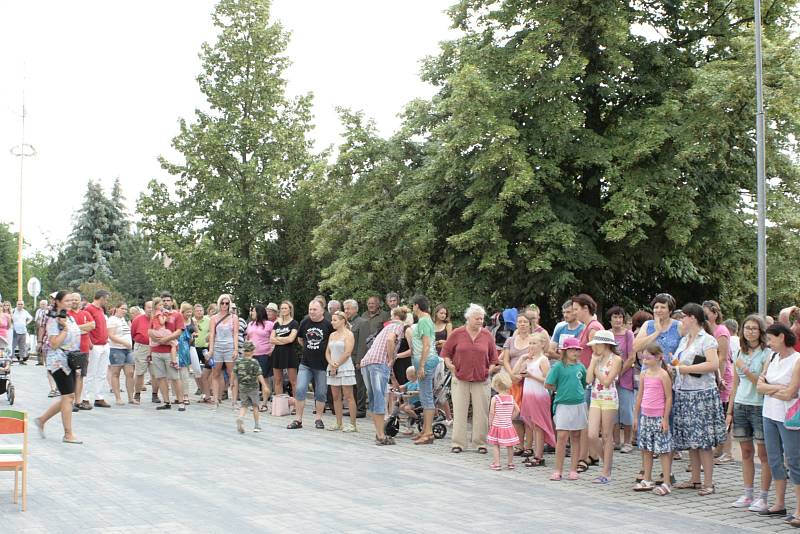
column 105, row 84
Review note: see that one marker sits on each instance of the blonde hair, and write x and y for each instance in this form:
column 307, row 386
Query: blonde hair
column 501, row 382
column 341, row 315
column 541, row 336
column 400, row 313
column 186, row 306
column 224, row 296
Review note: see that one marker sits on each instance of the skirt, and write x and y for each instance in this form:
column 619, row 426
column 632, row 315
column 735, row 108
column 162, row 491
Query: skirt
column 571, row 416
column 650, row 437
column 698, row 422
column 535, row 410
column 502, row 436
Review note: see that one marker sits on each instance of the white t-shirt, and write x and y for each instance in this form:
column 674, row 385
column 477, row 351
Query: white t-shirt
column 779, row 372
column 686, row 353
column 21, row 320
column 118, row 328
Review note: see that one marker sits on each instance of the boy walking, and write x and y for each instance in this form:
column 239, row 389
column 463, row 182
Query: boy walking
column 248, row 377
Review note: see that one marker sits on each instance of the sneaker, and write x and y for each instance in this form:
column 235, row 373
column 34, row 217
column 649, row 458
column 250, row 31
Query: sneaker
column 742, row 502
column 334, row 428
column 318, row 424
column 758, row 505
column 155, row 399
column 166, row 406
column 349, row 428
column 626, row 448
column 257, row 428
column 240, row 425
column 85, row 405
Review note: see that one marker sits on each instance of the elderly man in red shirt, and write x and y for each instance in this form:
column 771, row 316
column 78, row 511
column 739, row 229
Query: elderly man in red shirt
column 471, row 355
column 96, row 381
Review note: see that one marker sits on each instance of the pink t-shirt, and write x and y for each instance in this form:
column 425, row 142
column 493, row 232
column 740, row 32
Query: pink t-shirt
column 653, row 398
column 586, row 350
column 259, row 335
column 722, row 331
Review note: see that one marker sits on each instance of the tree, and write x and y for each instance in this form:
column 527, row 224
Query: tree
column 245, row 160
column 94, row 240
column 8, row 263
column 566, row 152
column 134, row 267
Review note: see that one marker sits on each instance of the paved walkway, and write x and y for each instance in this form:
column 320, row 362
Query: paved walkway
column 141, row 470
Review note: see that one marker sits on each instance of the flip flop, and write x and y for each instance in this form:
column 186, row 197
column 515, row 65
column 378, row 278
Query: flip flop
column 73, row 441
column 556, row 476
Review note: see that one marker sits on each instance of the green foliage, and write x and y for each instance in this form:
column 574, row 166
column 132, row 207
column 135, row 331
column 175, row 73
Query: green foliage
column 232, row 207
column 8, row 263
column 133, row 269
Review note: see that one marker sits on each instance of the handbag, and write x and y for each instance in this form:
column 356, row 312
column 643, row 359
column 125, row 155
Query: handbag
column 699, row 358
column 195, row 361
column 280, row 405
column 792, row 420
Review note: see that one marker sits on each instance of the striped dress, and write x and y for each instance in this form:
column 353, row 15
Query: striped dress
column 502, row 432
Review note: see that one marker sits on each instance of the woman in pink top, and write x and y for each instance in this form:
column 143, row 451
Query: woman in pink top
column 5, row 324
column 723, row 337
column 259, row 330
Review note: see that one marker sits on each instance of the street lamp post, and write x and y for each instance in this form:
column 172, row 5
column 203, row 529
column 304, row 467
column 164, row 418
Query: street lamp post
column 22, row 151
column 761, row 186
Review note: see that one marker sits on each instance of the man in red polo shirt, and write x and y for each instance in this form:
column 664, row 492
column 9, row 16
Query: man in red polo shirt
column 141, row 351
column 79, row 362
column 96, row 381
column 163, row 366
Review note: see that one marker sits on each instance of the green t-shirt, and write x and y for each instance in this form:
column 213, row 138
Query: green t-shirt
column 203, row 326
column 247, row 371
column 424, row 327
column 570, row 382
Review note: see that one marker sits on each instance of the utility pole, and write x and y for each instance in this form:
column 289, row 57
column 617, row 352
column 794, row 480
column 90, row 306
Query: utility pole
column 761, row 185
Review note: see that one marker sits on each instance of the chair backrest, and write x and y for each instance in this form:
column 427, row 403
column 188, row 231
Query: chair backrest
column 12, row 421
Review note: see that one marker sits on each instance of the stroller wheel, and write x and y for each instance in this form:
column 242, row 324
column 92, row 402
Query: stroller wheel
column 10, row 394
column 439, row 430
column 391, row 426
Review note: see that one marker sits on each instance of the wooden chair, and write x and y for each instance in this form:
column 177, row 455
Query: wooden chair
column 16, row 422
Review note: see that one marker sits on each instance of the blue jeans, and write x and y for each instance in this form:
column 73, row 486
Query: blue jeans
column 376, row 380
column 304, row 376
column 780, row 442
column 426, row 391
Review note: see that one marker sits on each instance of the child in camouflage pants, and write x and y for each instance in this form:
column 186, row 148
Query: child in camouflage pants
column 247, row 372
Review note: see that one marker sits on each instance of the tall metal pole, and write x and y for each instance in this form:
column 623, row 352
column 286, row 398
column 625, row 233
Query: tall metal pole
column 760, row 171
column 22, row 151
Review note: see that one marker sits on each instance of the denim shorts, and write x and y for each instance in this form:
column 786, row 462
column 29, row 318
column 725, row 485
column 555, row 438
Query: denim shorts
column 748, row 423
column 121, row 357
column 304, row 376
column 376, row 377
column 426, row 391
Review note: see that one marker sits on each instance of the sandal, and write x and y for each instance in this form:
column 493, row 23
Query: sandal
column 662, row 490
column 601, row 480
column 482, row 450
column 494, row 467
column 593, row 461
column 527, row 453
column 425, row 441
column 688, row 484
column 511, row 467
column 660, row 480
column 707, row 491
column 556, row 476
column 644, row 485
column 582, row 466
column 518, row 451
column 573, row 475
column 456, row 450
column 534, row 462
column 294, row 425
column 640, row 476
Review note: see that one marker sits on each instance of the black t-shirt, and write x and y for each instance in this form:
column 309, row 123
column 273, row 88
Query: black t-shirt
column 284, row 330
column 315, row 335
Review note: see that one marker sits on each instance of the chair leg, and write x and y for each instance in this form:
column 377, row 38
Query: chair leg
column 16, row 485
column 24, row 487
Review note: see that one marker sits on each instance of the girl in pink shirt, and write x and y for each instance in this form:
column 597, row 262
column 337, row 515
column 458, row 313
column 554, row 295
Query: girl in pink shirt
column 651, row 420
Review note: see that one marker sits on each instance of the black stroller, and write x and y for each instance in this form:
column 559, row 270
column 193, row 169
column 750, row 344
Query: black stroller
column 5, row 378
column 441, row 392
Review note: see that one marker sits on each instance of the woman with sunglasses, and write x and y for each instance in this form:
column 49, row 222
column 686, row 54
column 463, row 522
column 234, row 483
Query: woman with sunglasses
column 223, row 343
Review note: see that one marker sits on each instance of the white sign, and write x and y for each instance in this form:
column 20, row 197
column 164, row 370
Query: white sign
column 34, row 287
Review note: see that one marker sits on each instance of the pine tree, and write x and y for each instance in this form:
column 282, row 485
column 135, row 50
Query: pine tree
column 120, row 227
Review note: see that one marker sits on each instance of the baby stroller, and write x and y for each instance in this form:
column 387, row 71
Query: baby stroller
column 5, row 378
column 441, row 391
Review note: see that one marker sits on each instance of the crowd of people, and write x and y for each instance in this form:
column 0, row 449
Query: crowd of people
column 670, row 381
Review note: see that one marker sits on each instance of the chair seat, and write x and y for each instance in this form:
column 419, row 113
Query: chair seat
column 10, row 448
column 10, row 460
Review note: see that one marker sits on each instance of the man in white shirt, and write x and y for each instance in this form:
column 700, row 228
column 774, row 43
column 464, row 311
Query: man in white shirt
column 41, row 330
column 20, row 319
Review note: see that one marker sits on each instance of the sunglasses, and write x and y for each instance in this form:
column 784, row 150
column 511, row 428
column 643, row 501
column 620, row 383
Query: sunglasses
column 224, row 302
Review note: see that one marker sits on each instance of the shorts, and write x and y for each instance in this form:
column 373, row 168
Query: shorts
column 571, row 417
column 342, row 380
column 284, row 359
column 266, row 366
column 140, row 354
column 627, row 399
column 223, row 355
column 304, row 376
column 64, row 382
column 121, row 357
column 748, row 424
column 162, row 368
column 605, row 404
column 78, row 361
column 250, row 398
column 376, row 376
